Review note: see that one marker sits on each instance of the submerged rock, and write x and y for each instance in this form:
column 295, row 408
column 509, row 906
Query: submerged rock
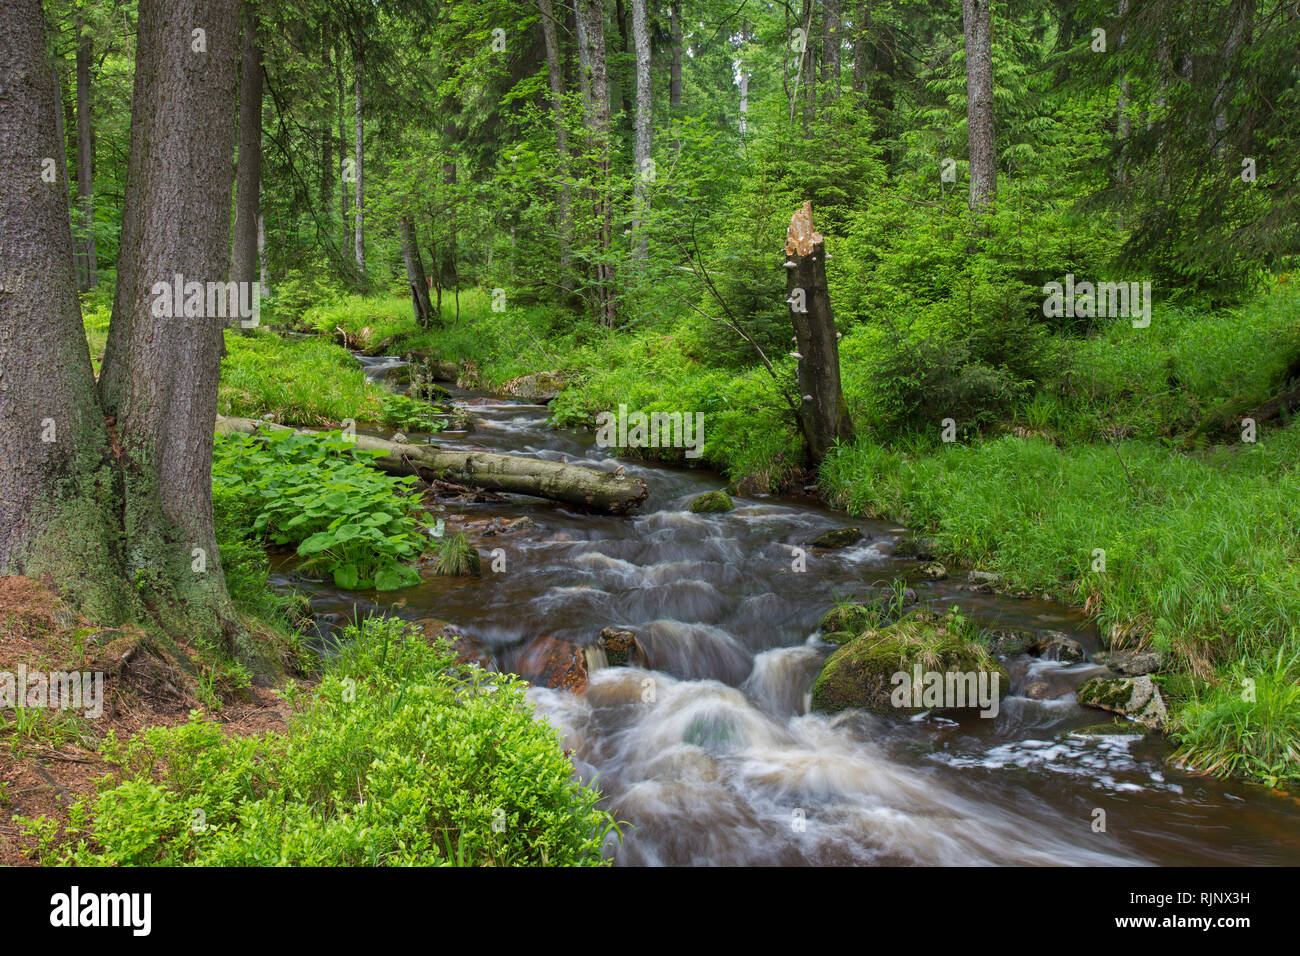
column 934, row 653
column 1010, row 641
column 982, row 580
column 837, row 538
column 712, row 502
column 920, row 548
column 555, row 663
column 934, row 571
column 751, row 486
column 621, row 648
column 1135, row 697
column 1056, row 646
column 1116, row 728
column 537, row 387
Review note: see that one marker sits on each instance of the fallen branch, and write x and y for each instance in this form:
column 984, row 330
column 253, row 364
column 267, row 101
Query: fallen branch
column 576, row 485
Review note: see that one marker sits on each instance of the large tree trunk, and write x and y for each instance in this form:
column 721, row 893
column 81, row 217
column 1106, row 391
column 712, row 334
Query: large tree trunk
column 644, row 117
column 589, row 488
column 979, row 103
column 178, row 198
column 87, row 259
column 58, row 488
column 823, row 414
column 244, row 259
column 591, row 14
column 359, row 203
column 555, row 78
column 415, row 277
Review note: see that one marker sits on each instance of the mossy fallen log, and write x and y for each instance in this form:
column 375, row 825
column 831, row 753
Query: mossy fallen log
column 582, row 487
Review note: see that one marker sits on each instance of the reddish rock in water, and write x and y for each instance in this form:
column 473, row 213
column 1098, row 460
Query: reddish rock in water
column 552, row 662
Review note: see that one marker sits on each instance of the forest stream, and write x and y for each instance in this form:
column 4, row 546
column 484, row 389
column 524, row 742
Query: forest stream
column 720, row 762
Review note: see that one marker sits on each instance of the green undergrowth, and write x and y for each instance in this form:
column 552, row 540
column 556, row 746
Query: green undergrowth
column 1194, row 555
column 400, row 757
column 317, row 494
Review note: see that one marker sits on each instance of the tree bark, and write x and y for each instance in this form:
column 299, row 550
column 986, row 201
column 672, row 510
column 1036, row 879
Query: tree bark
column 976, row 22
column 415, row 276
column 555, row 78
column 58, row 490
column 244, row 259
column 359, row 202
column 165, row 395
column 588, row 488
column 675, row 67
column 830, row 51
column 823, row 414
column 88, row 261
column 862, row 48
column 345, row 247
column 591, row 14
column 644, row 125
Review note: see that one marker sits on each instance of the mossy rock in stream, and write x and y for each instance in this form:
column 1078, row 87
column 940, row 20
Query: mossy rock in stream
column 866, row 612
column 862, row 673
column 837, row 538
column 712, row 502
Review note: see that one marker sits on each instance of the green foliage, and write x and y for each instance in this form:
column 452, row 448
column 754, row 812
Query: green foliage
column 307, row 382
column 317, row 493
column 455, row 556
column 408, row 414
column 400, row 759
column 1248, row 725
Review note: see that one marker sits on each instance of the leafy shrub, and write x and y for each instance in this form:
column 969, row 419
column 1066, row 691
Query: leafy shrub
column 411, row 415
column 401, row 759
column 316, row 492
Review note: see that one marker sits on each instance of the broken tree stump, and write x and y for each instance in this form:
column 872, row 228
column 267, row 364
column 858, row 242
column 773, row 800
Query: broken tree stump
column 823, row 415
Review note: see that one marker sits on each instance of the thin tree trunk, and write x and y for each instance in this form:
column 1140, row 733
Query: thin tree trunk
column 415, row 277
column 976, row 17
column 831, row 35
column 359, row 203
column 862, row 48
column 244, row 259
column 675, row 68
column 1239, row 31
column 823, row 414
column 345, row 246
column 58, row 497
column 453, row 234
column 644, row 125
column 555, row 77
column 88, row 261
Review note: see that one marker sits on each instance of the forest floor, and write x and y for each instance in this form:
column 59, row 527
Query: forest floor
column 51, row 758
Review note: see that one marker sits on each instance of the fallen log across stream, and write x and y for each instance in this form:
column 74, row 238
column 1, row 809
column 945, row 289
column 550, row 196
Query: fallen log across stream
column 576, row 485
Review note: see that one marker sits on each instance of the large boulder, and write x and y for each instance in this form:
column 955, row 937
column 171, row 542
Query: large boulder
column 1137, row 698
column 866, row 671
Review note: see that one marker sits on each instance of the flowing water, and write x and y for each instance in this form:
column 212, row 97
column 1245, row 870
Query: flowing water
column 713, row 757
